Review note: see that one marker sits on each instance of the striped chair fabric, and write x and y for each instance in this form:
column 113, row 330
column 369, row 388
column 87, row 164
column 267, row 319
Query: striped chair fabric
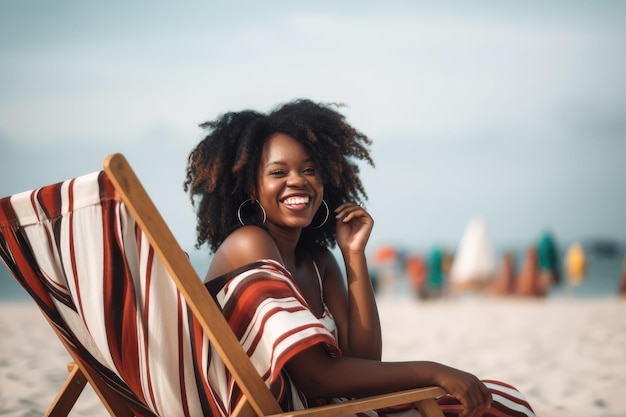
column 81, row 256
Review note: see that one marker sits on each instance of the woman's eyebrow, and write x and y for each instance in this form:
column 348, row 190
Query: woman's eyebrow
column 279, row 162
column 275, row 163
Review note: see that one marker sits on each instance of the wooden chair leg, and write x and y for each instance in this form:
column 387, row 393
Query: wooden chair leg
column 114, row 404
column 244, row 409
column 67, row 396
column 110, row 399
column 429, row 408
column 73, row 387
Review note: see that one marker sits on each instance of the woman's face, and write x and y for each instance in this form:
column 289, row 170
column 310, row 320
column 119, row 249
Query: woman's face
column 288, row 184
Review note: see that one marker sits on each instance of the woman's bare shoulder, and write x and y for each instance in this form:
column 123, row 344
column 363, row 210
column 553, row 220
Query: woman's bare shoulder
column 245, row 245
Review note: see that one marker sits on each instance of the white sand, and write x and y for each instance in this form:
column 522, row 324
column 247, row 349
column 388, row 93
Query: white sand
column 567, row 356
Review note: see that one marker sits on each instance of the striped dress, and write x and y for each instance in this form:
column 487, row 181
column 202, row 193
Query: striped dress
column 268, row 314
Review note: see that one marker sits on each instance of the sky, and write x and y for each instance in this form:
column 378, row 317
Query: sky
column 514, row 112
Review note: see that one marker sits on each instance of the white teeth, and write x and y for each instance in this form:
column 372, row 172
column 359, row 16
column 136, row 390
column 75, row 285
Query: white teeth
column 296, row 200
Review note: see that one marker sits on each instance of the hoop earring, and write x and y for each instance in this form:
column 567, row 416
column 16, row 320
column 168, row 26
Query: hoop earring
column 325, row 218
column 252, row 201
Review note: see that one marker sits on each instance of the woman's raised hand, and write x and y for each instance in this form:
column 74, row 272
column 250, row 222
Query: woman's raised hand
column 354, row 225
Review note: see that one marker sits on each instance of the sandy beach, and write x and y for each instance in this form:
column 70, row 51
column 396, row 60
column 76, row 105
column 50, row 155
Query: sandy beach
column 567, row 356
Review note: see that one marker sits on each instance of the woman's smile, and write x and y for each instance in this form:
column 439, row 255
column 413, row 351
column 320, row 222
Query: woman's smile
column 297, row 202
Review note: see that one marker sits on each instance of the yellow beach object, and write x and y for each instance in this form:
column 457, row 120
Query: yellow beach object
column 575, row 263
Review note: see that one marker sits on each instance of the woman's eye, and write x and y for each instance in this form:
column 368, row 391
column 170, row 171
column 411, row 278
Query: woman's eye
column 309, row 170
column 277, row 173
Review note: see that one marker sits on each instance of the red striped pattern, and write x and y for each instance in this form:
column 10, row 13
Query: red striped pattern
column 79, row 253
column 507, row 401
column 272, row 322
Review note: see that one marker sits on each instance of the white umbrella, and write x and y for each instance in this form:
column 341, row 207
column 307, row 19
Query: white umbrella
column 474, row 262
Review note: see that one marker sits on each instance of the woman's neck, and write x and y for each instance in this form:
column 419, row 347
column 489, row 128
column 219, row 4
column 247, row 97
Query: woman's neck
column 287, row 242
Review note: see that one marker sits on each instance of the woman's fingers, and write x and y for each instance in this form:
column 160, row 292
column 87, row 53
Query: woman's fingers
column 486, row 395
column 472, row 393
column 478, row 398
column 348, row 211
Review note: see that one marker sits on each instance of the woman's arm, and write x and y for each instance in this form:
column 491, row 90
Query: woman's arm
column 353, row 308
column 355, row 312
column 319, row 375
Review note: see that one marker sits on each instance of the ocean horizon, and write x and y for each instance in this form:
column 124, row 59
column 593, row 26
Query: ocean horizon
column 602, row 280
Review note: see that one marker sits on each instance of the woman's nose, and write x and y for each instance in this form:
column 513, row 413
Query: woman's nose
column 296, row 179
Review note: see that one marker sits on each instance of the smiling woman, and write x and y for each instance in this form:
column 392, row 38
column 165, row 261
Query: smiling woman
column 281, row 289
column 224, row 170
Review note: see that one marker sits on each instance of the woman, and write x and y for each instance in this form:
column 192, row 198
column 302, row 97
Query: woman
column 274, row 192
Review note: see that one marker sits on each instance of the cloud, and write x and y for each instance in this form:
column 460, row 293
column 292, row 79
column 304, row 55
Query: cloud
column 421, row 75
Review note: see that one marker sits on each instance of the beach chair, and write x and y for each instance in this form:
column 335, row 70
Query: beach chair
column 110, row 278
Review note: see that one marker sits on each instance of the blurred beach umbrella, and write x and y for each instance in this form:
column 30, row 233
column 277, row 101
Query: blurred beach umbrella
column 386, row 259
column 575, row 264
column 474, row 263
column 386, row 254
column 527, row 284
column 548, row 259
column 504, row 281
column 416, row 272
column 435, row 276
